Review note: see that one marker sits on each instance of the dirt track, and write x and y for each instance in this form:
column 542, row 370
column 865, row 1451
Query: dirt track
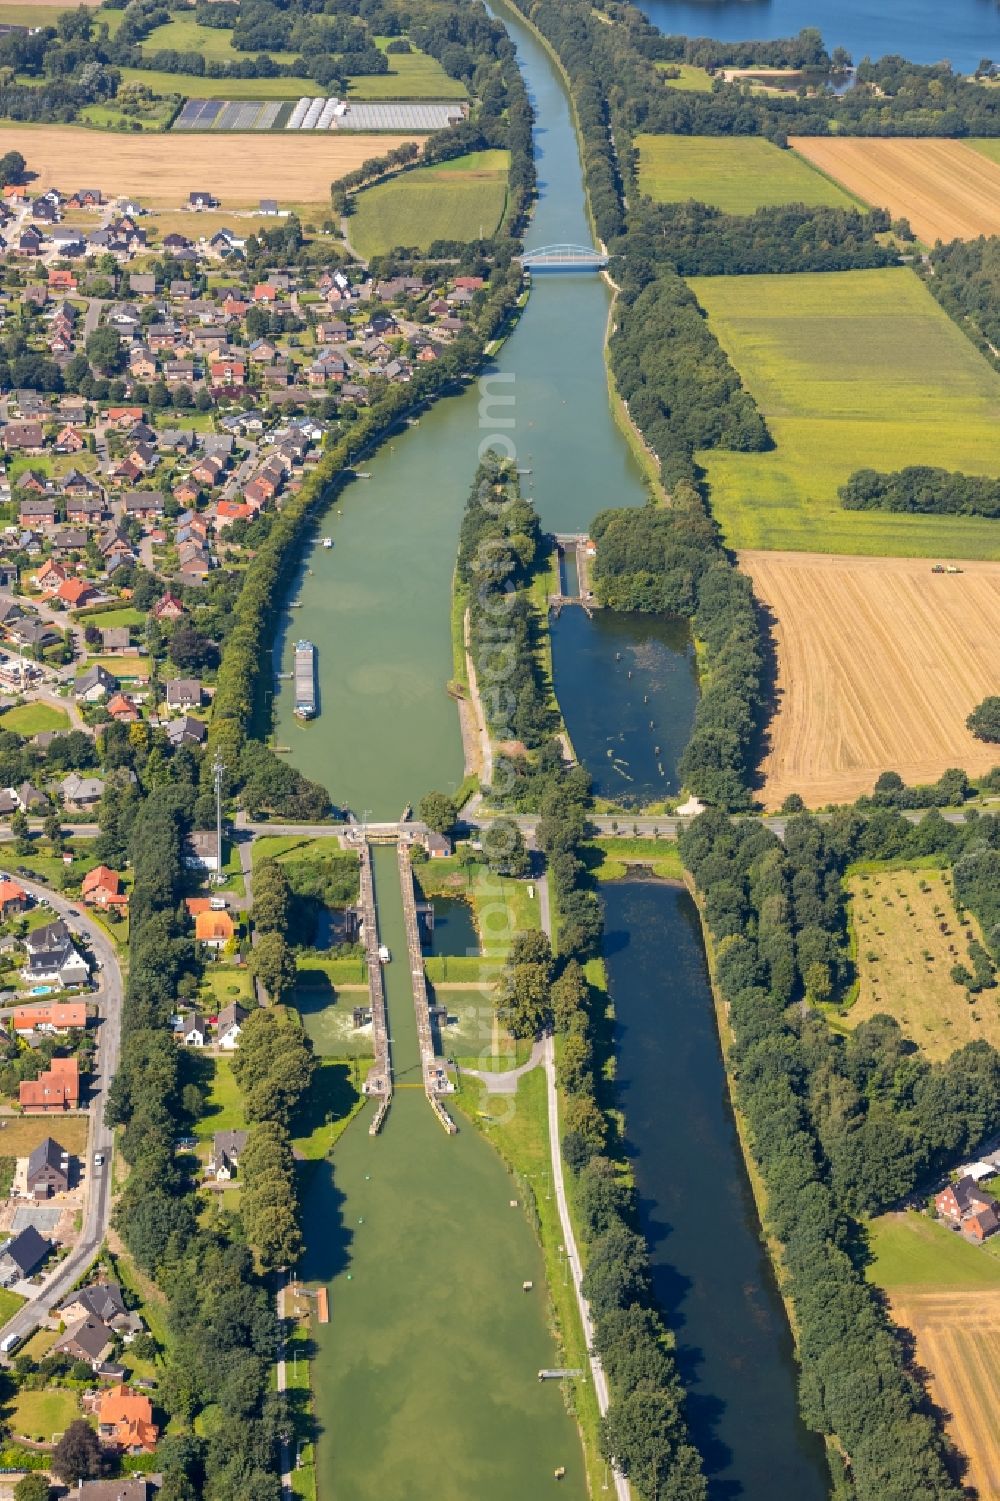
column 945, row 189
column 879, row 662
column 958, row 1343
column 293, row 166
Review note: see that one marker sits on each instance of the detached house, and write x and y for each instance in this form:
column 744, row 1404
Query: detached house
column 52, row 958
column 55, row 1090
column 969, row 1209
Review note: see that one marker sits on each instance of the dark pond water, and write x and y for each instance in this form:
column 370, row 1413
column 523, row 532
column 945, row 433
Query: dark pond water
column 454, row 930
column 711, row 1273
column 627, row 688
column 962, row 31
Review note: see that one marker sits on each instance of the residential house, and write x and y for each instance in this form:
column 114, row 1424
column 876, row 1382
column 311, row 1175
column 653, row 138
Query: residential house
column 200, row 199
column 81, row 793
column 21, row 1255
column 438, row 846
column 69, row 439
column 88, row 1340
column 94, row 684
column 102, row 887
column 202, row 852
column 229, row 1024
column 13, row 899
column 969, row 1208
column 145, row 505
column 135, row 1488
column 38, row 513
column 123, row 709
column 214, row 929
column 56, row 1089
column 184, row 693
column 48, row 1170
column 51, row 1017
column 101, row 1300
column 52, row 958
column 186, row 731
column 227, row 1149
column 74, row 593
column 169, row 607
column 193, row 1030
column 125, row 1420
column 115, row 638
column 143, row 283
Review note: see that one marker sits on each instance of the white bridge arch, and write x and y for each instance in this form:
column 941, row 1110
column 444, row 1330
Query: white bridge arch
column 564, row 257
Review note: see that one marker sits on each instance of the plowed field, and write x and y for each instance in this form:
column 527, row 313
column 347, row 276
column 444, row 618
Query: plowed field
column 879, row 662
column 945, row 189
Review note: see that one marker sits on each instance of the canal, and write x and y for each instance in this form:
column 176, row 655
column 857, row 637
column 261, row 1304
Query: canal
column 711, row 1273
column 425, row 1379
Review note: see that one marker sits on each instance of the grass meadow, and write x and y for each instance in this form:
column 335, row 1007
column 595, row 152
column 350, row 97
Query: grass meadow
column 692, row 80
column 910, row 1250
column 851, row 370
column 456, row 200
column 737, row 174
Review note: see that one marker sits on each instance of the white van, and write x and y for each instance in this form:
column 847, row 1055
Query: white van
column 8, row 1343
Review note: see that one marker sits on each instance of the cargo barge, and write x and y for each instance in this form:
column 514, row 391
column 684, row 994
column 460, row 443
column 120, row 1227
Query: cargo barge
column 305, row 680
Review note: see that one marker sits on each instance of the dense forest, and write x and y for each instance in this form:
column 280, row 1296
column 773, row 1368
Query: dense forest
column 920, row 488
column 500, row 552
column 841, row 1126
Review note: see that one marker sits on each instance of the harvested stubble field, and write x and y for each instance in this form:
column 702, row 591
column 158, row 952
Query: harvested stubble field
column 879, row 663
column 958, row 1344
column 738, row 174
column 904, row 961
column 851, row 369
column 162, row 170
column 946, row 189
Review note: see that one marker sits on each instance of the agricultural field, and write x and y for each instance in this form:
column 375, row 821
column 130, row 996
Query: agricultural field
column 947, row 190
column 908, row 937
column 947, row 1293
column 162, row 170
column 738, row 174
column 456, row 200
column 851, row 369
column 879, row 663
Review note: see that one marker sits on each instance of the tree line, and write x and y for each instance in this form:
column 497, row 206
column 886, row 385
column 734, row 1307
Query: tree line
column 500, row 554
column 839, row 1126
column 923, row 489
column 220, row 1318
column 964, row 276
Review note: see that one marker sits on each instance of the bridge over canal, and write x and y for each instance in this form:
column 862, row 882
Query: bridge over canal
column 564, row 258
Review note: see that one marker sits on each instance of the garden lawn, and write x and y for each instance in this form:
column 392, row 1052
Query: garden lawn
column 220, row 986
column 20, row 1135
column 9, row 1304
column 32, row 719
column 612, row 858
column 462, row 199
column 502, row 908
column 40, row 1415
column 738, row 174
column 912, row 1250
column 103, row 619
column 851, row 370
column 224, row 1104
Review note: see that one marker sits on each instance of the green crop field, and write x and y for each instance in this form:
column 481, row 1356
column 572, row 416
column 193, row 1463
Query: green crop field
column 988, row 148
column 184, row 35
column 191, row 86
column 738, row 174
column 851, row 370
column 691, row 80
column 457, row 200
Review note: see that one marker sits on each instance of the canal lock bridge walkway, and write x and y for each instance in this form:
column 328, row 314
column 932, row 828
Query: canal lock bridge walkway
column 379, row 1082
column 575, row 545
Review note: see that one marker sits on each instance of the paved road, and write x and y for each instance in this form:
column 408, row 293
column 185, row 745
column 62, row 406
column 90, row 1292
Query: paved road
column 570, row 1248
column 97, row 1209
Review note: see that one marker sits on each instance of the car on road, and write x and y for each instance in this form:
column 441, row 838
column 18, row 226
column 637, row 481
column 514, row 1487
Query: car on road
column 98, row 1160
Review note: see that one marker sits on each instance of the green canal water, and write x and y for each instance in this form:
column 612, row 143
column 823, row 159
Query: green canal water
column 426, row 1378
column 375, row 604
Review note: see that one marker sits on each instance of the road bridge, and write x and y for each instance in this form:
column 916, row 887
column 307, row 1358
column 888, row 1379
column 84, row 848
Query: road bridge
column 564, row 258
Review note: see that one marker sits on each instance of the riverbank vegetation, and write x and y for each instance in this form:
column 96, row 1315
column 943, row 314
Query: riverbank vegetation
column 834, row 1130
column 500, row 552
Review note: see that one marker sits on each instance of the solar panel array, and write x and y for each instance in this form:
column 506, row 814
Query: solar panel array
column 319, row 113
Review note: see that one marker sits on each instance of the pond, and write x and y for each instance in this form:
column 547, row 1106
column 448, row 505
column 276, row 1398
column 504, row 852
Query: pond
column 628, row 690
column 454, row 928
